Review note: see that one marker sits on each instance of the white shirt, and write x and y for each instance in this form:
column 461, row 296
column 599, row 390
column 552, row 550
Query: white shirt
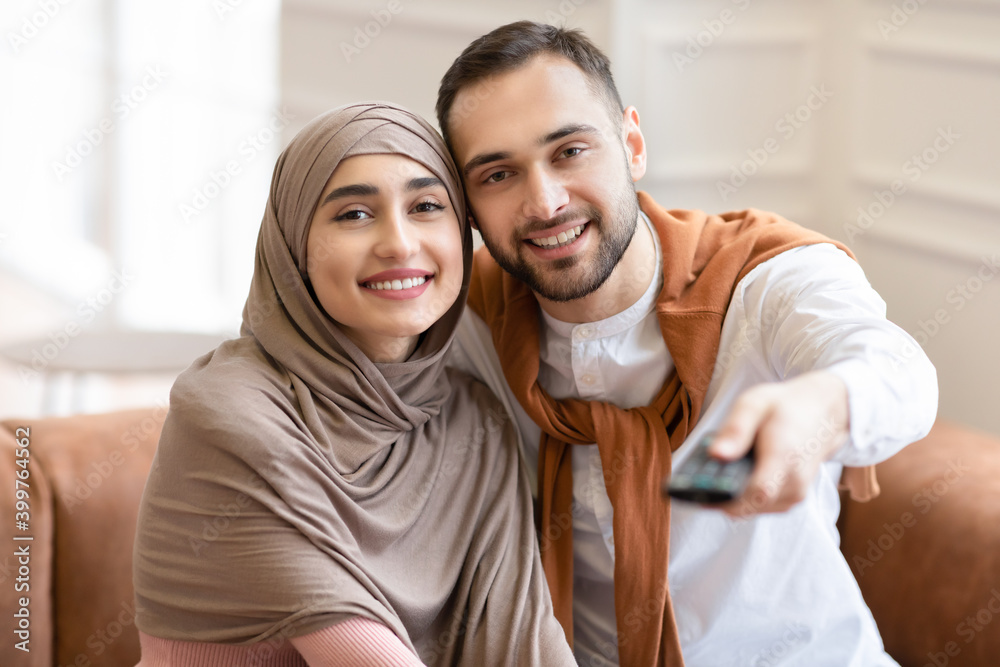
column 774, row 589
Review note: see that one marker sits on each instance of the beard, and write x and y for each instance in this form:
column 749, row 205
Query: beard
column 557, row 280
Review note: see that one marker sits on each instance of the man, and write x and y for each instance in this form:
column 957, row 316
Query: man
column 620, row 332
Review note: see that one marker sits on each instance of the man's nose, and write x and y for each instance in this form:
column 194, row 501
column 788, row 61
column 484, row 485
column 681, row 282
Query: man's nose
column 545, row 195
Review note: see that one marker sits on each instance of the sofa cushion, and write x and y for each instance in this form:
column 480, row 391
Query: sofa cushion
column 926, row 552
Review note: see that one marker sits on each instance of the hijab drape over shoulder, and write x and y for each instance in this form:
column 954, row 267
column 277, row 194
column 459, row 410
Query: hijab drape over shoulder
column 297, row 483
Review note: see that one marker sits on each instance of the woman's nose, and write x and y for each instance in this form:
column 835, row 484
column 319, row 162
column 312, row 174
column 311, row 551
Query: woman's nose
column 397, row 237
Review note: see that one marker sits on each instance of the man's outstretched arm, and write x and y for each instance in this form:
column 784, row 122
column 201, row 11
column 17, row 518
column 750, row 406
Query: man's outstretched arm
column 852, row 386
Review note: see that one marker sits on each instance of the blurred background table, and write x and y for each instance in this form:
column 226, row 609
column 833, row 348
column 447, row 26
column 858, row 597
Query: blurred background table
column 104, row 353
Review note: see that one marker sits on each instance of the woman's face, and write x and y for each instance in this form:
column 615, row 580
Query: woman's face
column 384, row 252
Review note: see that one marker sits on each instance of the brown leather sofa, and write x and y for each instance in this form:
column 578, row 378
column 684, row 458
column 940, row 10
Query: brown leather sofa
column 926, row 552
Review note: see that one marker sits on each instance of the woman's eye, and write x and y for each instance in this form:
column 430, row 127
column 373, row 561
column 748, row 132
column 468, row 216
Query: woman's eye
column 428, row 207
column 353, row 214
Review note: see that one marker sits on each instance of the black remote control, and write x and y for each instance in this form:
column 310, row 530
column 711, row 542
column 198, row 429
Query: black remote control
column 704, row 479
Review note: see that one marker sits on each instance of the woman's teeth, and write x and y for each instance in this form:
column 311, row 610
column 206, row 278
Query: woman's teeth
column 560, row 239
column 405, row 283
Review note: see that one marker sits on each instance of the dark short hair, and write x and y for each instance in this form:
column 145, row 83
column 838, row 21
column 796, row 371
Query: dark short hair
column 514, row 45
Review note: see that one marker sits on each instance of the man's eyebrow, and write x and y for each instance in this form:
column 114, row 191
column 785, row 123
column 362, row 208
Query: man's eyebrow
column 357, row 190
column 423, row 182
column 483, row 158
column 556, row 135
column 567, row 130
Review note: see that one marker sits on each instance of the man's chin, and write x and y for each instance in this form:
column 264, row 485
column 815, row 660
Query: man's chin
column 559, row 280
column 563, row 289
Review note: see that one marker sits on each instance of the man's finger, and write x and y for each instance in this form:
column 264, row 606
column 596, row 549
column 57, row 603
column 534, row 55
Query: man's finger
column 736, row 435
column 768, row 481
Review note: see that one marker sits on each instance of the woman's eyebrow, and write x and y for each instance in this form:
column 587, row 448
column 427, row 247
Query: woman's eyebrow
column 357, row 190
column 423, row 182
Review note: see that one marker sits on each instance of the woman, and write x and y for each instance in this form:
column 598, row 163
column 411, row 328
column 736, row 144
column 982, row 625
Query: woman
column 325, row 491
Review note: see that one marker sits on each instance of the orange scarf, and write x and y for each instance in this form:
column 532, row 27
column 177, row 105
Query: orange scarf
column 704, row 257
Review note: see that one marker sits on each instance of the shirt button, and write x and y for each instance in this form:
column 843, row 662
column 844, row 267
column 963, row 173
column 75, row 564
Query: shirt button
column 584, row 332
column 587, row 379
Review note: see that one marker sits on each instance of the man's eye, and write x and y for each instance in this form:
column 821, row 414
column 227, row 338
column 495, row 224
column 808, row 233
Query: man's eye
column 572, row 152
column 497, row 176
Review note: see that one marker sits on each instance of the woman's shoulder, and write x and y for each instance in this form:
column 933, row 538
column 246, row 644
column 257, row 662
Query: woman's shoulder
column 237, row 366
column 232, row 387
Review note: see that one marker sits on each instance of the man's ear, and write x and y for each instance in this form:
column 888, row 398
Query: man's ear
column 635, row 143
column 472, row 221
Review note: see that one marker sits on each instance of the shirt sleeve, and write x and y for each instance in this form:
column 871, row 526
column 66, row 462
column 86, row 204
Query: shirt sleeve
column 816, row 310
column 357, row 641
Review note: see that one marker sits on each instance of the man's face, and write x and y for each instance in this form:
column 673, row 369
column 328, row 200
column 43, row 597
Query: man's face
column 549, row 175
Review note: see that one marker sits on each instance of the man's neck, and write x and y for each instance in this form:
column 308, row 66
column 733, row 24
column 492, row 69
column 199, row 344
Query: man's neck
column 626, row 284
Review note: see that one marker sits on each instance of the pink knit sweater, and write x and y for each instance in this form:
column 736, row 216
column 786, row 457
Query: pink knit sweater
column 358, row 641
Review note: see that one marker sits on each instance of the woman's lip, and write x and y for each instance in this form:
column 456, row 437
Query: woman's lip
column 396, row 274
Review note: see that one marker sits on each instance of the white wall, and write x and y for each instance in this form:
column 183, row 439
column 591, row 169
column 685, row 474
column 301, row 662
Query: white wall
column 713, row 82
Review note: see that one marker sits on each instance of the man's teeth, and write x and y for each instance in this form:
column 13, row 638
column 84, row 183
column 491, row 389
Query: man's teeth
column 560, row 239
column 405, row 283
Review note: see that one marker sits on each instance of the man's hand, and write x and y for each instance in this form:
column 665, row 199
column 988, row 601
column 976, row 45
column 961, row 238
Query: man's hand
column 794, row 426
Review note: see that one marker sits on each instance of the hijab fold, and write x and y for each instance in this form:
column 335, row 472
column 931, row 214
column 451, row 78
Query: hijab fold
column 297, row 483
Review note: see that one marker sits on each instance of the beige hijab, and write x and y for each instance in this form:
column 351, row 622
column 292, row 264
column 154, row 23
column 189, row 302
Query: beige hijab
column 297, row 483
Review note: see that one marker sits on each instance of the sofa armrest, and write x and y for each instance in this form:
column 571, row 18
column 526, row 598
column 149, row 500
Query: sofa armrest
column 27, row 576
column 926, row 552
column 96, row 466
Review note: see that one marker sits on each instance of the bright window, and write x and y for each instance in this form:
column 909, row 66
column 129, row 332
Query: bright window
column 137, row 142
